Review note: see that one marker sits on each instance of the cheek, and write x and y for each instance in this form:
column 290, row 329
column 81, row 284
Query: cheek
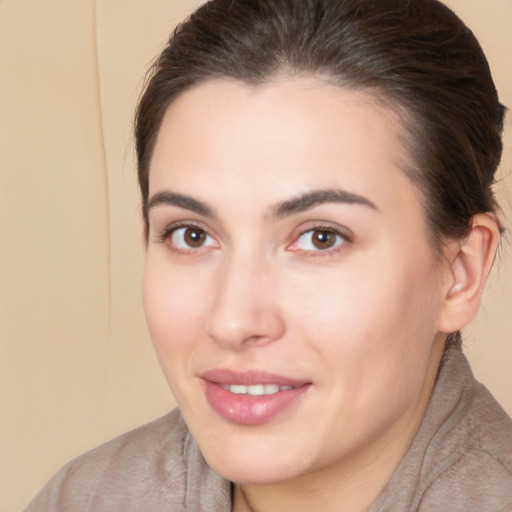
column 372, row 312
column 376, row 336
column 174, row 304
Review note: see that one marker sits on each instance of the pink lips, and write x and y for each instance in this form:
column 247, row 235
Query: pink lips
column 246, row 409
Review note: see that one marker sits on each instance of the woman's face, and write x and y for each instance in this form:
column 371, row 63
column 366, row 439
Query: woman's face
column 290, row 288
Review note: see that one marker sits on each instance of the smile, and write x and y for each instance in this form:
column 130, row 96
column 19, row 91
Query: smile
column 255, row 389
column 252, row 397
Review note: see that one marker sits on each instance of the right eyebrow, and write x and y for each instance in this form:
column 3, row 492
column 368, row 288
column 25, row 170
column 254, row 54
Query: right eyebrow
column 166, row 197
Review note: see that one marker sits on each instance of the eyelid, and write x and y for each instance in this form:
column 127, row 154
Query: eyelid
column 342, row 232
column 171, row 228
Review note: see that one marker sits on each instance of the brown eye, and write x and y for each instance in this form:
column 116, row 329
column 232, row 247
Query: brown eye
column 318, row 240
column 324, row 239
column 191, row 237
column 194, row 237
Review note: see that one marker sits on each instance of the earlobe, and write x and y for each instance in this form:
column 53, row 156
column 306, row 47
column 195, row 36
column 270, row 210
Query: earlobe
column 470, row 262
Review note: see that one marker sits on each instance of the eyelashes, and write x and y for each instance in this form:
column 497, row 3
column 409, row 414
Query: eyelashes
column 191, row 238
column 187, row 237
column 317, row 240
column 320, row 239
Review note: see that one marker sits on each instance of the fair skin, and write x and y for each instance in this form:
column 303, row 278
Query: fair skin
column 341, row 292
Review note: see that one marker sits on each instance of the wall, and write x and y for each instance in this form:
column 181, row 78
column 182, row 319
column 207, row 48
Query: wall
column 76, row 364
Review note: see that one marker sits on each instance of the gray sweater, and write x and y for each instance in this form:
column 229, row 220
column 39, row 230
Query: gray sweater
column 459, row 461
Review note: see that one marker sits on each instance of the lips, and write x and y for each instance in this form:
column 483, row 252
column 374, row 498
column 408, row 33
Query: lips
column 251, row 398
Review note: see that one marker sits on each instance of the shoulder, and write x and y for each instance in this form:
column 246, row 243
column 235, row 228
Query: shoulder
column 133, row 468
column 472, row 463
column 476, row 481
column 461, row 457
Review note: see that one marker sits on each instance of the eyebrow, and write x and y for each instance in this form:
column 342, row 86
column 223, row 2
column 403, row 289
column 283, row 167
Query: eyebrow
column 181, row 201
column 314, row 198
column 280, row 210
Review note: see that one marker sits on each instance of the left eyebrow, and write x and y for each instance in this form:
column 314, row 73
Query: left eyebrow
column 314, row 198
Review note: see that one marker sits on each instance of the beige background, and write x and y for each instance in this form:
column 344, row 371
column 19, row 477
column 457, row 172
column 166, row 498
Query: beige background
column 76, row 364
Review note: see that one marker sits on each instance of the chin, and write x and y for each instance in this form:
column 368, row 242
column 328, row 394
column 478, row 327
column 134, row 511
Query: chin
column 252, row 459
column 246, row 472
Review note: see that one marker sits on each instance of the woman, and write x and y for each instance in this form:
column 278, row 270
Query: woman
column 316, row 188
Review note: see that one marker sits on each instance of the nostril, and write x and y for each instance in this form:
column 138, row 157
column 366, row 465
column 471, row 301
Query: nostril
column 257, row 330
column 243, row 312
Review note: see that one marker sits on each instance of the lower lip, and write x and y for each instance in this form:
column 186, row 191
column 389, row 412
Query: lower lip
column 249, row 409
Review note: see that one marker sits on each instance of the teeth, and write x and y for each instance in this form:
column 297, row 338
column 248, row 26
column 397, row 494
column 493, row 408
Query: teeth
column 238, row 389
column 255, row 389
column 258, row 390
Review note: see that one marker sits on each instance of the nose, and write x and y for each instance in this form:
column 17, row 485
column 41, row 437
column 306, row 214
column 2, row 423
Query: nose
column 245, row 310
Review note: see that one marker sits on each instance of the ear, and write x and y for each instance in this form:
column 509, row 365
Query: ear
column 468, row 265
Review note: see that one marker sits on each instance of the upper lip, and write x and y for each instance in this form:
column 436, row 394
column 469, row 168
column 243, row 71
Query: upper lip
column 248, row 378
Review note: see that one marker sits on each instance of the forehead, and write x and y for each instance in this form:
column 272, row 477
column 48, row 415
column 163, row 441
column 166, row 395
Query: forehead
column 225, row 139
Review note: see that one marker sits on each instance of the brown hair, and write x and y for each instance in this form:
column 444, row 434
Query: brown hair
column 415, row 54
